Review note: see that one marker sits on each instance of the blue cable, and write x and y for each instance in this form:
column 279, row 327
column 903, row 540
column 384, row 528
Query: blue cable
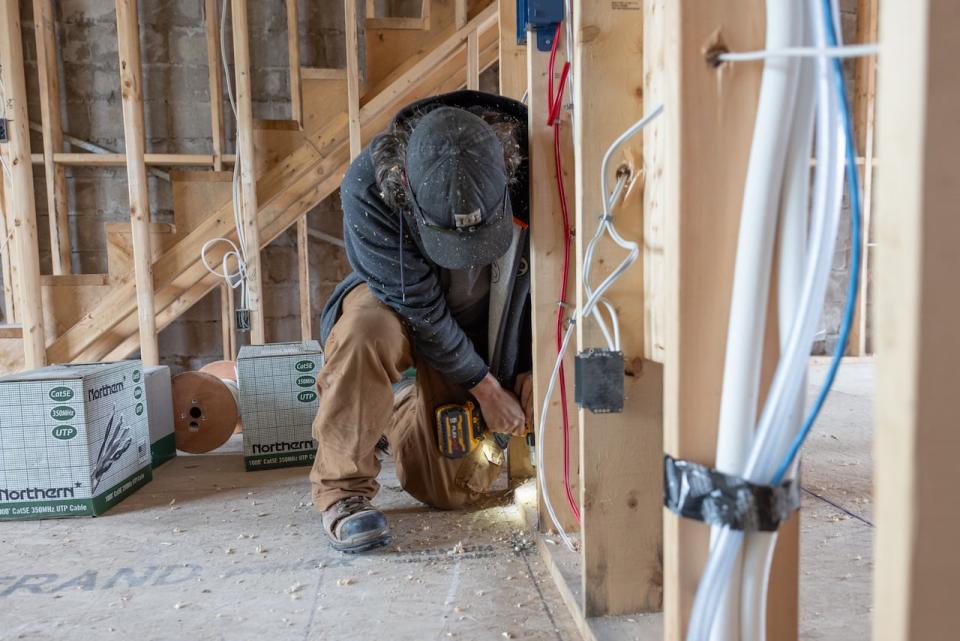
column 854, row 284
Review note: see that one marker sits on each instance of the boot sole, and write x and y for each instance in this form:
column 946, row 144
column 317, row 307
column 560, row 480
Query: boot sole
column 362, row 546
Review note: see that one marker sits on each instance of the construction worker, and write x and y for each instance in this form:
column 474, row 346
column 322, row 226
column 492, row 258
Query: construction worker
column 435, row 226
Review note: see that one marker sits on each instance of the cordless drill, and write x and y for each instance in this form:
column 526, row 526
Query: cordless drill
column 460, row 428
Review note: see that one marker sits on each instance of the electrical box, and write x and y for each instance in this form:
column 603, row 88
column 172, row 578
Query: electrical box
column 542, row 16
column 598, row 384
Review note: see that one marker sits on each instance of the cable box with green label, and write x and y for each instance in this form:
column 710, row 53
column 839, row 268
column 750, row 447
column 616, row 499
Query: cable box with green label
column 278, row 401
column 74, row 439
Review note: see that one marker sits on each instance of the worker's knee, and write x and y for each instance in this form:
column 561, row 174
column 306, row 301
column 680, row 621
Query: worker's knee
column 368, row 329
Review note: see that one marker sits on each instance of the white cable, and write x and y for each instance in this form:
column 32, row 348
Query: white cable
column 770, row 443
column 593, row 299
column 751, row 280
column 235, row 279
column 541, row 477
column 758, row 547
column 848, row 51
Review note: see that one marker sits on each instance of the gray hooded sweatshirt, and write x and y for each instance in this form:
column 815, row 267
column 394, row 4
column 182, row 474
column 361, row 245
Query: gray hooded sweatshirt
column 465, row 343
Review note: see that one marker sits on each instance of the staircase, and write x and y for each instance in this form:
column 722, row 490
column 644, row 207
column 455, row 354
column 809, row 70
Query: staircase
column 94, row 317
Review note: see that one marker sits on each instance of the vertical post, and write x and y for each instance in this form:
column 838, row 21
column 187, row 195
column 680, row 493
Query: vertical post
column 20, row 200
column 473, row 61
column 653, row 187
column 513, row 82
column 214, row 65
column 546, row 263
column 513, row 57
column 7, row 261
column 44, row 21
column 293, row 47
column 227, row 326
column 303, row 260
column 864, row 112
column 621, row 454
column 460, row 13
column 353, row 75
column 131, row 92
column 709, row 120
column 246, row 158
column 917, row 443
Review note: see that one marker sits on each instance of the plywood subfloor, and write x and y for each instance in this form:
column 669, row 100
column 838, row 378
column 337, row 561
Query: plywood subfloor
column 208, row 551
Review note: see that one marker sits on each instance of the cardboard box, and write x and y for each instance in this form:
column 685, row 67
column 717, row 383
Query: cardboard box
column 74, row 439
column 278, row 400
column 163, row 443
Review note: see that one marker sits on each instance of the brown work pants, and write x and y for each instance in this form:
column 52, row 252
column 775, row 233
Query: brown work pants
column 366, row 353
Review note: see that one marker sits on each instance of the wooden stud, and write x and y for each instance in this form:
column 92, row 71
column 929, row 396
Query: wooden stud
column 708, row 128
column 621, row 454
column 916, row 441
column 293, row 48
column 214, row 73
column 227, row 324
column 353, row 76
column 546, row 263
column 248, row 181
column 473, row 62
column 7, row 260
column 20, row 199
column 653, row 158
column 44, row 21
column 460, row 13
column 303, row 262
column 864, row 113
column 513, row 57
column 513, row 82
column 131, row 91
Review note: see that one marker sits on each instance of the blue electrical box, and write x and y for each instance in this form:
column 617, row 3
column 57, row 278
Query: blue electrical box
column 542, row 16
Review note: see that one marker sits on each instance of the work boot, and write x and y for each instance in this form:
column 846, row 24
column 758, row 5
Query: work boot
column 353, row 525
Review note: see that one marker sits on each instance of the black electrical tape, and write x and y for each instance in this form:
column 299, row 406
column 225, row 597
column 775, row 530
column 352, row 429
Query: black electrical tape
column 697, row 492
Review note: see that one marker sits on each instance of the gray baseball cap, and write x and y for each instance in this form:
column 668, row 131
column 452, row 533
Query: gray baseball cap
column 459, row 187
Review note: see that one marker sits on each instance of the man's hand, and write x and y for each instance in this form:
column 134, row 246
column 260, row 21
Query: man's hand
column 524, row 389
column 500, row 408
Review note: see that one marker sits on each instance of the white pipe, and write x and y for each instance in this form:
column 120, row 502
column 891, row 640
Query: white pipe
column 772, row 443
column 751, row 282
column 759, row 546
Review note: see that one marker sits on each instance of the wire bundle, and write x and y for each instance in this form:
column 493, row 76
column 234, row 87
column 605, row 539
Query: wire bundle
column 594, row 297
column 234, row 278
column 731, row 598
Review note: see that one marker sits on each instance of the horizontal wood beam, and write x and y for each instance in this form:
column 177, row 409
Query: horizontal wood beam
column 119, row 160
column 317, row 73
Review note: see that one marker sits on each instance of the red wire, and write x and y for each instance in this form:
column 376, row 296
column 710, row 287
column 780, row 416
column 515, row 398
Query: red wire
column 553, row 104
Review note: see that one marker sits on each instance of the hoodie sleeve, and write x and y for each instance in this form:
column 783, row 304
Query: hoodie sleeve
column 398, row 275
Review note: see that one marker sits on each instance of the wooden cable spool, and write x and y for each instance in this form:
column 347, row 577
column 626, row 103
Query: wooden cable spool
column 206, row 410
